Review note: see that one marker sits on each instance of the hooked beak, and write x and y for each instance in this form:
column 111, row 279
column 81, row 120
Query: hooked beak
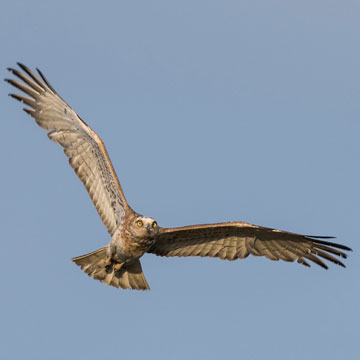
column 150, row 230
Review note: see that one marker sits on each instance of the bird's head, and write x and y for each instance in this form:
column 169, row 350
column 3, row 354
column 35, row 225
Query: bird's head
column 144, row 227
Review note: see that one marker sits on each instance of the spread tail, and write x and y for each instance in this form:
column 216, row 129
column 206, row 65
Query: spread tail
column 127, row 275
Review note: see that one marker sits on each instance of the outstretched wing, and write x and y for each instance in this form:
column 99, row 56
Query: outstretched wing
column 236, row 240
column 84, row 148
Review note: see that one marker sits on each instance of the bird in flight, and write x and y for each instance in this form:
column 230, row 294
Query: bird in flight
column 132, row 235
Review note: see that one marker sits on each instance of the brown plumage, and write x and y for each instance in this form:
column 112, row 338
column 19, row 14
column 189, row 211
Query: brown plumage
column 132, row 235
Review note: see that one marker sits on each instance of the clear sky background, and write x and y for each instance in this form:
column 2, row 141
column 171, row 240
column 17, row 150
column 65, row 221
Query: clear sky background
column 211, row 111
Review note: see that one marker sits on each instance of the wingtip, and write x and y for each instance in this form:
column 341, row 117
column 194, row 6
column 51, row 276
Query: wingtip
column 39, row 72
column 320, row 237
column 21, row 65
column 29, row 111
column 11, row 81
column 46, row 80
column 42, row 76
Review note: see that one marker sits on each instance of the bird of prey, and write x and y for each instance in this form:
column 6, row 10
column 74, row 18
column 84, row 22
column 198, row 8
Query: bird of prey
column 132, row 235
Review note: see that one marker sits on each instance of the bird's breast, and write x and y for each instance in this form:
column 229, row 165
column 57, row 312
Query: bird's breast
column 126, row 248
column 136, row 246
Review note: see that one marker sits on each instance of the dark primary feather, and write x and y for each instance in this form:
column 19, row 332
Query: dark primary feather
column 45, row 80
column 33, row 76
column 237, row 240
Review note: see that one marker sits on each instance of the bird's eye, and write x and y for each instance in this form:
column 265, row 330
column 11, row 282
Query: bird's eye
column 139, row 223
column 154, row 224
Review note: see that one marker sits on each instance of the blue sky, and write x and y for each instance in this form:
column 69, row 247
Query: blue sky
column 211, row 111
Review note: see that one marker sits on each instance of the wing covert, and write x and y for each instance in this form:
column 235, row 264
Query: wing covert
column 237, row 240
column 84, row 148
